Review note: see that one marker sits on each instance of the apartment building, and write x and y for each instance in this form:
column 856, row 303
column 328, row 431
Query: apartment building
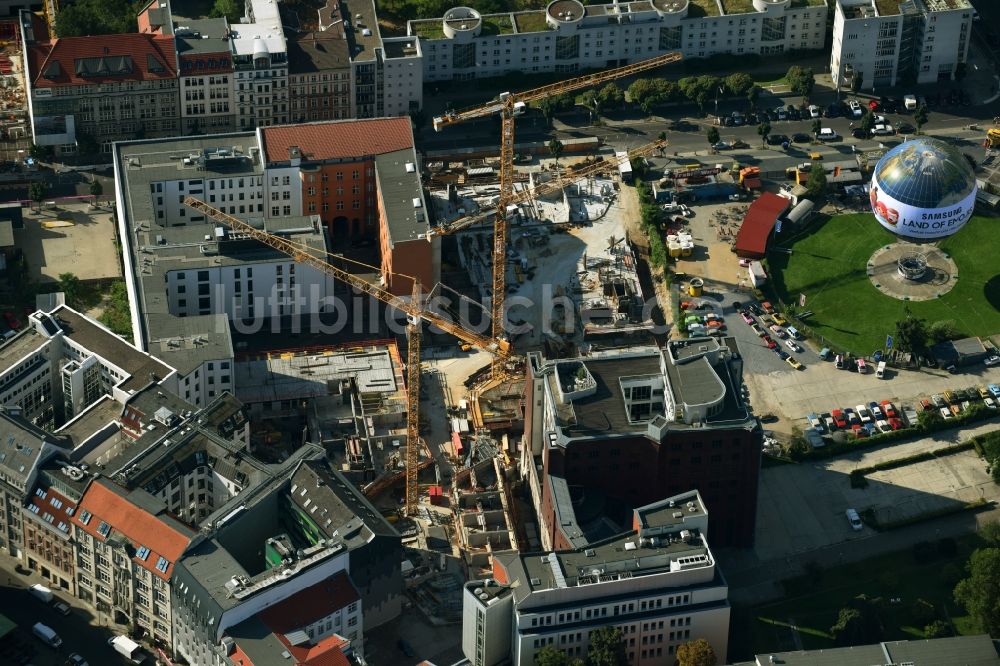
column 127, row 547
column 568, row 36
column 48, row 531
column 106, row 87
column 657, row 582
column 260, row 61
column 24, row 447
column 320, row 78
column 314, row 529
column 894, row 42
column 632, row 425
column 207, row 81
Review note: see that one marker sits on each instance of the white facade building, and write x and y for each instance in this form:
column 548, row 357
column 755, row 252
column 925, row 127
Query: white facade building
column 658, row 584
column 568, row 36
column 889, row 43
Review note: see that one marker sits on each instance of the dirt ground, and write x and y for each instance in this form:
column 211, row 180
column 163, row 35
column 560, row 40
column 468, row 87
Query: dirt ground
column 713, row 258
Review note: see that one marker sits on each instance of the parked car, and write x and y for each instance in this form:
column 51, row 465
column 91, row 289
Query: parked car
column 783, row 355
column 781, row 113
column 992, row 361
column 777, row 330
column 946, row 413
column 791, row 344
column 778, row 319
column 855, row 520
column 827, row 134
column 856, row 110
column 938, row 400
column 722, row 145
column 883, row 129
column 776, row 139
column 838, row 418
column 859, row 133
column 889, row 409
column 771, row 344
column 835, row 110
column 990, row 403
column 905, row 128
column 739, row 144
column 61, row 607
column 768, row 308
column 814, row 111
column 800, row 137
column 792, row 361
column 994, row 389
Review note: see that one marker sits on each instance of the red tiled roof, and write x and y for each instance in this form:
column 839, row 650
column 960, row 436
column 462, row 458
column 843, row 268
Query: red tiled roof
column 146, row 52
column 328, row 652
column 140, row 527
column 338, row 139
column 308, row 605
column 751, row 241
column 45, row 506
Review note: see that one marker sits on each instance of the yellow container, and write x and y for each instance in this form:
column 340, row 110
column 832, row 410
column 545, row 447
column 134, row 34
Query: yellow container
column 675, row 249
column 687, row 250
column 695, row 287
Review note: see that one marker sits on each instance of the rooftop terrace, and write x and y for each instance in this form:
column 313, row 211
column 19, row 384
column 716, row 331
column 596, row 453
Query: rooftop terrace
column 703, row 8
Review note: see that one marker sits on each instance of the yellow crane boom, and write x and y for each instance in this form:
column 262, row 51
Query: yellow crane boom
column 554, row 185
column 569, row 85
column 510, row 105
column 302, row 254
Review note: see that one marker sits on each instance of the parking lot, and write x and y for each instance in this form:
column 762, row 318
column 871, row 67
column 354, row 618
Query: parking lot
column 73, row 238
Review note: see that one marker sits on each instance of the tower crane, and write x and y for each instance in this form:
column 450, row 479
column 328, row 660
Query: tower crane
column 413, row 309
column 551, row 186
column 509, row 105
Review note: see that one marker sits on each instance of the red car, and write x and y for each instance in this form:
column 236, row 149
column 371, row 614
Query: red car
column 11, row 320
column 838, row 418
column 768, row 308
column 895, row 424
column 771, row 344
column 926, row 405
column 888, row 409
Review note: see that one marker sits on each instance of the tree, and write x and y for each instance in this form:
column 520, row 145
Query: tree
column 551, row 105
column 69, row 284
column 607, row 648
column 40, row 153
column 228, row 9
column 990, row 533
column 96, row 189
column 752, row 96
column 857, row 623
column 937, row 629
column 96, row 17
column 817, row 126
column 979, row 593
column 816, row 184
column 922, row 612
column 37, row 191
column 86, row 144
column 696, row 653
column 857, row 80
column 117, row 314
column 911, row 333
column 801, row 80
column 648, row 93
column 611, row 96
column 713, row 135
column 763, row 129
column 739, row 84
column 920, row 116
column 699, row 88
column 550, row 656
column 556, row 148
column 868, row 122
column 945, row 329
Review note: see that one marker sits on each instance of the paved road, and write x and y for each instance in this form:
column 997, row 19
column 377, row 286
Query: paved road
column 77, row 630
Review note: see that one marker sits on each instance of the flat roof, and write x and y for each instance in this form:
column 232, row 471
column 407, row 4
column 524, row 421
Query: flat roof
column 400, row 190
column 665, row 512
column 318, row 51
column 212, row 36
column 98, row 416
column 362, row 46
column 21, row 345
column 952, row 651
column 604, row 411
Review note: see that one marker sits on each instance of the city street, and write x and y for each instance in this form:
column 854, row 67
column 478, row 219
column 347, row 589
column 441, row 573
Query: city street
column 78, row 630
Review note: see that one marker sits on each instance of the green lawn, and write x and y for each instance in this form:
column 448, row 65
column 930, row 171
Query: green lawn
column 428, row 29
column 828, row 264
column 813, row 605
column 531, row 22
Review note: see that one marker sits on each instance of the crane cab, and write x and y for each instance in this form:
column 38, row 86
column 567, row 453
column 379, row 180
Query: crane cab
column 520, row 108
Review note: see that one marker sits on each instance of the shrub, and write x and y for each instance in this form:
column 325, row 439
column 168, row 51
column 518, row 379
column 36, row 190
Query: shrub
column 922, row 612
column 937, row 629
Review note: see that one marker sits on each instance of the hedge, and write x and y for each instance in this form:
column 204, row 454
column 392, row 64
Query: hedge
column 869, row 515
column 923, row 456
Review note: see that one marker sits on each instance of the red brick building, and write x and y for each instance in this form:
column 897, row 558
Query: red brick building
column 627, row 429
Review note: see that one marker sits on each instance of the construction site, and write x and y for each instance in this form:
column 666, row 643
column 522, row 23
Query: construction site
column 15, row 130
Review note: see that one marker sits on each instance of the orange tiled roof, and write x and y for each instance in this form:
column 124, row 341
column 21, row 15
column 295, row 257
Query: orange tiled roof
column 340, row 139
column 63, row 62
column 140, row 527
column 328, row 652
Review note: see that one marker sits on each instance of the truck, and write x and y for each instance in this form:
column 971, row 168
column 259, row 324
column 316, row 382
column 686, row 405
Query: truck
column 45, row 634
column 910, row 102
column 41, row 593
column 127, row 648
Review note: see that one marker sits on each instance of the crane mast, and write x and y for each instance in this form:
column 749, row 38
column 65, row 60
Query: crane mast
column 510, row 105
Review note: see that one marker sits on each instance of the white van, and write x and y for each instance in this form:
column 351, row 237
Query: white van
column 910, row 102
column 793, row 333
column 855, row 520
column 46, row 635
column 880, row 371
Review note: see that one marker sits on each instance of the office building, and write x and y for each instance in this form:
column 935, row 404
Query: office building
column 623, row 428
column 899, row 42
column 568, row 36
column 657, row 582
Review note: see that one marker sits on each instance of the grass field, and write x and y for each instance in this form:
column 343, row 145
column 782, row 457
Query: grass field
column 813, row 604
column 828, row 265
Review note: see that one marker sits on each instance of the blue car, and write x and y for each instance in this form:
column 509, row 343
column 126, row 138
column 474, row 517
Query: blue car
column 871, row 428
column 995, row 390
